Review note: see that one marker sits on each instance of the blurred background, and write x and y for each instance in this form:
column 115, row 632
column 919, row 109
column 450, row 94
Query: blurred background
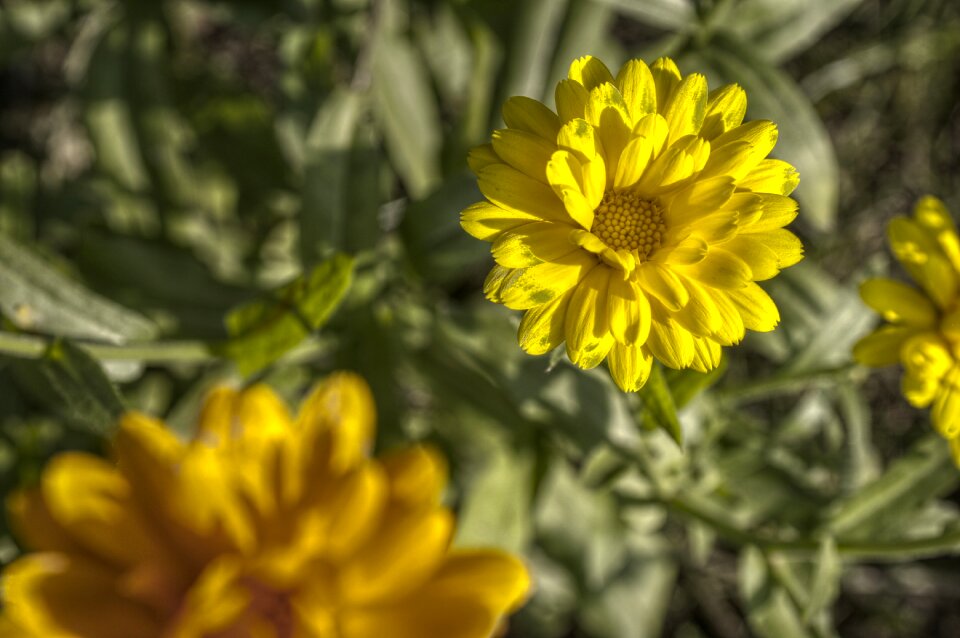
column 198, row 192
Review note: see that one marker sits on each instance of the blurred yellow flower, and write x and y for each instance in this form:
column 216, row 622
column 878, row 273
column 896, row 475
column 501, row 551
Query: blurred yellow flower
column 263, row 526
column 634, row 224
column 923, row 329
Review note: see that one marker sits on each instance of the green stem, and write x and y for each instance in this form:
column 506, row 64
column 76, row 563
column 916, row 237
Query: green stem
column 903, row 549
column 34, row 347
column 788, row 382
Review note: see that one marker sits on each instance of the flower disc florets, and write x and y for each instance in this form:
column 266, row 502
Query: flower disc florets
column 634, row 222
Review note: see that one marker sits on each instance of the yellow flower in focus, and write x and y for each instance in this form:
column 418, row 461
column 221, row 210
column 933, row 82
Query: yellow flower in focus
column 923, row 326
column 264, row 525
column 634, row 224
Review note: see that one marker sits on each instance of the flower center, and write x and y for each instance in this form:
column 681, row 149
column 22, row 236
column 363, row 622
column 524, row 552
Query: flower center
column 627, row 221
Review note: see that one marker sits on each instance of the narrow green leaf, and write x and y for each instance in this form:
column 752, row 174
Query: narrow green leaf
column 675, row 15
column 72, row 383
column 779, row 29
column 496, row 511
column 35, row 296
column 659, row 409
column 406, row 109
column 532, row 44
column 264, row 330
column 685, row 385
column 770, row 611
column 826, row 580
column 325, row 175
column 923, row 473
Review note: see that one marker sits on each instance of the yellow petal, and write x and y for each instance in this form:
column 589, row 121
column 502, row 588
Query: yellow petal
column 398, row 560
column 707, row 354
column 636, row 85
column 927, row 354
column 579, row 137
column 629, row 312
column 755, row 306
column 666, row 76
column 719, row 269
column 654, row 128
column 945, row 412
column 343, row 405
column 526, row 114
column 526, row 152
column 882, row 346
column 771, row 176
column 590, row 72
column 629, row 366
column 920, row 253
column 785, row 244
column 633, row 162
column 482, row 156
column 730, row 327
column 571, row 98
column 763, row 262
column 777, row 212
column 215, row 601
column 529, row 287
column 542, row 328
column 699, row 315
column 686, row 107
column 898, row 303
column 607, row 112
column 417, row 475
column 919, row 390
column 494, row 281
column 532, row 244
column 356, row 512
column 670, row 343
column 697, row 200
column 663, row 284
column 487, row 221
column 510, row 189
column 726, row 107
column 587, row 325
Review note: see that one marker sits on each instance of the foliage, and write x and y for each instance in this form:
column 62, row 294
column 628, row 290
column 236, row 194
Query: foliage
column 179, row 180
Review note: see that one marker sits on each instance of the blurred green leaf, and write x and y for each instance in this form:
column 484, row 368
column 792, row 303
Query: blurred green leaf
column 675, row 15
column 659, row 409
column 779, row 29
column 73, row 384
column 825, row 585
column 325, row 176
column 533, row 39
column 770, row 611
column 496, row 510
column 635, row 604
column 406, row 109
column 923, row 473
column 803, row 142
column 263, row 331
column 37, row 297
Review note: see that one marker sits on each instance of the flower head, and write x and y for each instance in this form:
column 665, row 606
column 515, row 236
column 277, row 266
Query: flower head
column 263, row 525
column 633, row 223
column 923, row 325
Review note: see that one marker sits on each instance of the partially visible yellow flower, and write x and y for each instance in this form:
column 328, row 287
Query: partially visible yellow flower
column 923, row 326
column 264, row 526
column 634, row 224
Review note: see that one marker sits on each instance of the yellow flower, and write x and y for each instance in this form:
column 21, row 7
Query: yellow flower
column 923, row 329
column 264, row 526
column 634, row 224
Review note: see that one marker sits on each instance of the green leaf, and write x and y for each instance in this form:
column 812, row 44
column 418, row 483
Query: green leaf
column 635, row 605
column 536, row 28
column 496, row 510
column 675, row 15
column 659, row 409
column 770, row 611
column 406, row 109
column 804, row 142
column 826, row 580
column 325, row 175
column 263, row 331
column 74, row 385
column 923, row 473
column 685, row 385
column 37, row 297
column 779, row 29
